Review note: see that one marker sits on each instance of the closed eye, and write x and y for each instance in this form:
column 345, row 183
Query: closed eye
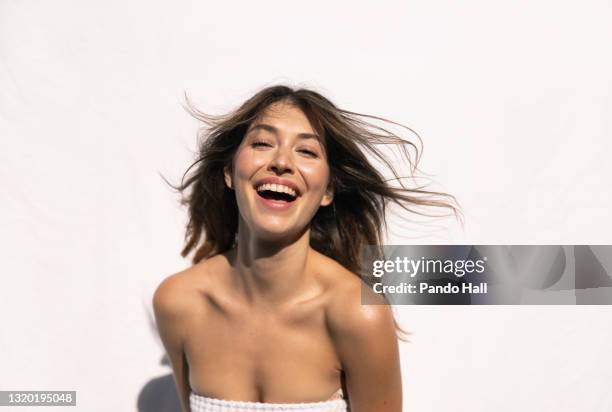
column 259, row 144
column 308, row 152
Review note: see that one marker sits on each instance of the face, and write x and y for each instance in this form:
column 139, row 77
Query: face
column 280, row 173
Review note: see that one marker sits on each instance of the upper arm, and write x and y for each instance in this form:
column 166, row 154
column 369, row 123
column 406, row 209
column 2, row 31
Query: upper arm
column 366, row 342
column 170, row 315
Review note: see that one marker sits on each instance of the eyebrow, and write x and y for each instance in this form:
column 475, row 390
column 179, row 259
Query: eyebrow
column 274, row 130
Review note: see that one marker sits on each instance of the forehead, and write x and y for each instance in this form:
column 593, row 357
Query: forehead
column 285, row 117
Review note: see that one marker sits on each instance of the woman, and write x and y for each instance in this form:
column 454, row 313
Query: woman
column 269, row 317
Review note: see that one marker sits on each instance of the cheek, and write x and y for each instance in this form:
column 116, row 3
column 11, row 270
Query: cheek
column 316, row 175
column 246, row 163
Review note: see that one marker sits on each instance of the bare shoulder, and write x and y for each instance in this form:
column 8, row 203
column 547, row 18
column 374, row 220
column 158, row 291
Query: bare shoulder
column 171, row 300
column 347, row 317
column 179, row 293
column 176, row 304
column 366, row 343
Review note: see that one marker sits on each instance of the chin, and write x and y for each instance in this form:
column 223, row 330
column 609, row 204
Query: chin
column 273, row 234
column 276, row 233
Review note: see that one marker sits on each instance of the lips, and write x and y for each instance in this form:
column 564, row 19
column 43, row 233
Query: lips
column 276, row 194
column 278, row 184
column 274, row 204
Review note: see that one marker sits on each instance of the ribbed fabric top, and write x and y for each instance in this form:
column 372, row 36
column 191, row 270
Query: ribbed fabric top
column 200, row 403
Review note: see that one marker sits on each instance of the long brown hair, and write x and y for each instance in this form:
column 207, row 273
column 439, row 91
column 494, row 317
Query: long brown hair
column 357, row 216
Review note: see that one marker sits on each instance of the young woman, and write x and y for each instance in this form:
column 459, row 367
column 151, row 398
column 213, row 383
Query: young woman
column 282, row 202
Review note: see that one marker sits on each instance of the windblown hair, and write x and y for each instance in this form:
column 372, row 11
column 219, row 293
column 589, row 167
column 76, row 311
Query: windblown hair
column 341, row 231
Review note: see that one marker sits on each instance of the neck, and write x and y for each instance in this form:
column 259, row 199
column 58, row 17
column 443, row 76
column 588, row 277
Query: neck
column 271, row 272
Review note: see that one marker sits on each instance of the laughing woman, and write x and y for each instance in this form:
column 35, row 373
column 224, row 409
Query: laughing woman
column 282, row 201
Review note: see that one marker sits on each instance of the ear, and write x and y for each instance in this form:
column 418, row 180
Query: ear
column 227, row 174
column 328, row 197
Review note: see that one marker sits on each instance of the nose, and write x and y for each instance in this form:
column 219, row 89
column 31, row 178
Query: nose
column 282, row 162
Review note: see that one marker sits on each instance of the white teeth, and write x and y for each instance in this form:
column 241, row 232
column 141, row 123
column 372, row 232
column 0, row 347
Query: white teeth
column 277, row 188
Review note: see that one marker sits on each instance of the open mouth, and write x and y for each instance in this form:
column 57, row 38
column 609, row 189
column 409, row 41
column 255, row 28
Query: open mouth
column 277, row 196
column 277, row 193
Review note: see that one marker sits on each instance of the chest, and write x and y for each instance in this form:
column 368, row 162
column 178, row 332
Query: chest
column 248, row 354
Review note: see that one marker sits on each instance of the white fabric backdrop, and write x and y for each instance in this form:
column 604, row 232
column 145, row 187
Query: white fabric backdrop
column 512, row 100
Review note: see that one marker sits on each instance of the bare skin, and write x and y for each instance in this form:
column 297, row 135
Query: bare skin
column 273, row 320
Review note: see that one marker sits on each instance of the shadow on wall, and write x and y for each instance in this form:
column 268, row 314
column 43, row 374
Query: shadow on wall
column 159, row 394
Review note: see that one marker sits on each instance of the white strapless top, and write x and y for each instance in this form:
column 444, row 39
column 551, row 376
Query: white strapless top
column 200, row 403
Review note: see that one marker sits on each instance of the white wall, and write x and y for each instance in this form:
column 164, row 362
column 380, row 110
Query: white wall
column 512, row 99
